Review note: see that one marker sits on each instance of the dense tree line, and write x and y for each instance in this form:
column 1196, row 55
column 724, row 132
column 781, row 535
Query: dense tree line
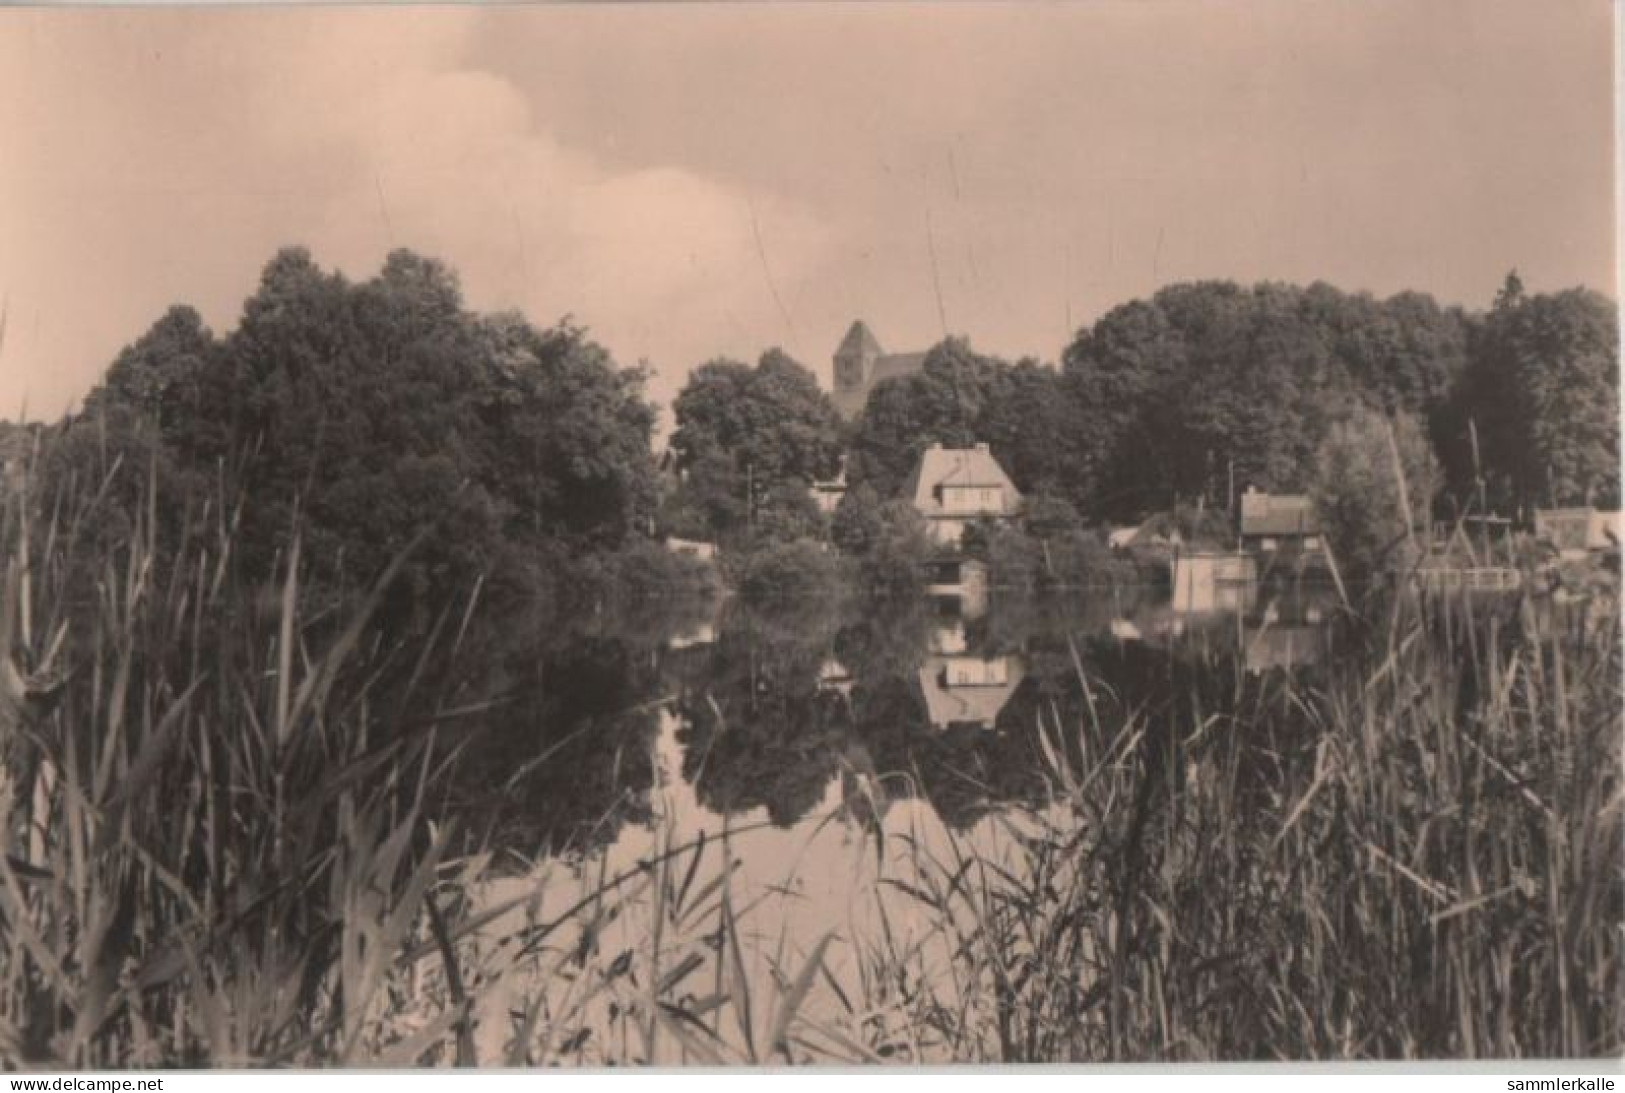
column 1198, row 391
column 1171, row 406
column 364, row 413
column 1206, row 388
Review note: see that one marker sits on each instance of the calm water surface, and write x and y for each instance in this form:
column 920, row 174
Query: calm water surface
column 812, row 743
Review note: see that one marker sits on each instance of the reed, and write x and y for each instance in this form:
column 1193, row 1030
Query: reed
column 1421, row 860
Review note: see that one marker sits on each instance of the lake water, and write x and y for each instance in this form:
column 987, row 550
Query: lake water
column 811, row 744
column 776, row 714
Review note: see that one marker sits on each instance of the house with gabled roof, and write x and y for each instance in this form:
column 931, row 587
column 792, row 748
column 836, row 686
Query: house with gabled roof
column 1279, row 523
column 951, row 487
column 1579, row 532
column 860, row 364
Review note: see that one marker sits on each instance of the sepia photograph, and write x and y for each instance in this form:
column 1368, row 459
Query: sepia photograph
column 773, row 534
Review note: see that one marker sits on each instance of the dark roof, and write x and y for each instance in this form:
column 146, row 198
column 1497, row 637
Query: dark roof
column 1277, row 514
column 893, row 365
column 859, row 342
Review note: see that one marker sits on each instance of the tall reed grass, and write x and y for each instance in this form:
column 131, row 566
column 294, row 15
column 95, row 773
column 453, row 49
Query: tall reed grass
column 1420, row 859
column 220, row 846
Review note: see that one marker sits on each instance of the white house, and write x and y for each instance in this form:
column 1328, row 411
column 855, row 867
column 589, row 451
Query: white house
column 954, row 486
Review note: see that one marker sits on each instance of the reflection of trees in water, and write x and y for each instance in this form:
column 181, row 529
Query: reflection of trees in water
column 566, row 757
column 964, row 771
column 886, row 639
column 774, row 699
column 757, row 731
column 778, row 753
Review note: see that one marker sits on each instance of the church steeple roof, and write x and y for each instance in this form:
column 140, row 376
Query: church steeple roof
column 859, row 342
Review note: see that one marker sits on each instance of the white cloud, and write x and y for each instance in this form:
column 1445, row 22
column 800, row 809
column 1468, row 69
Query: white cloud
column 351, row 136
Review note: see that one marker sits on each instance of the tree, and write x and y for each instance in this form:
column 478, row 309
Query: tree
column 1361, row 498
column 1542, row 390
column 857, row 526
column 762, row 435
column 566, row 434
column 1118, row 377
column 902, row 544
column 158, row 374
column 1208, row 387
column 368, row 413
column 941, row 404
column 1031, row 426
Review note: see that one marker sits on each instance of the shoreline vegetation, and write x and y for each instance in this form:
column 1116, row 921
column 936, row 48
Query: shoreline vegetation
column 243, row 647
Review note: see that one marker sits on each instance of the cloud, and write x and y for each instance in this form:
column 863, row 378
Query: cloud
column 351, row 133
column 692, row 181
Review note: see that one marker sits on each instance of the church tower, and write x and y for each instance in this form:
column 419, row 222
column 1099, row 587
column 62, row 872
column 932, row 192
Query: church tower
column 854, row 368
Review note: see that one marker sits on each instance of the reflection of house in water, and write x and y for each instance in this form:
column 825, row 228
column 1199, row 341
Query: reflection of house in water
column 963, row 580
column 1283, row 646
column 967, row 688
column 1270, row 628
column 692, row 637
column 1205, row 581
column 1288, row 631
column 948, row 637
column 835, row 677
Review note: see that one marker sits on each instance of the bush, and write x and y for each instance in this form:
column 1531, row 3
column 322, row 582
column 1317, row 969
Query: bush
column 1014, row 558
column 799, row 567
column 895, row 561
column 643, row 569
column 1081, row 559
column 1358, row 493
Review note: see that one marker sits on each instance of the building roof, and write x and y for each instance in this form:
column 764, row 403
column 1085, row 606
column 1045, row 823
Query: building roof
column 893, row 365
column 1277, row 514
column 970, row 467
column 859, row 342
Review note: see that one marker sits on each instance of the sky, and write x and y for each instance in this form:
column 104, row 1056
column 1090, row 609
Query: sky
column 700, row 180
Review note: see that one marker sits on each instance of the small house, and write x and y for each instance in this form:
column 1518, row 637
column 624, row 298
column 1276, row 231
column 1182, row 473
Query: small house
column 1212, row 581
column 1578, row 533
column 827, row 493
column 952, row 487
column 692, row 548
column 1279, row 523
